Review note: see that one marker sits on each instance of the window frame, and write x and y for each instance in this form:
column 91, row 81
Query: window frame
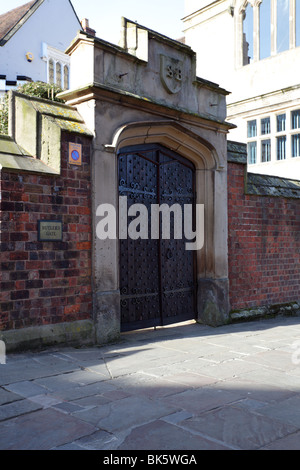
column 265, row 150
column 283, row 137
column 265, row 125
column 281, row 155
column 59, row 59
column 252, row 145
column 274, row 30
column 295, row 131
column 298, row 145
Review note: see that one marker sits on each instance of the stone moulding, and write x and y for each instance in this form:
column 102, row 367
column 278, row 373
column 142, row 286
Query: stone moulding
column 171, row 134
column 109, row 93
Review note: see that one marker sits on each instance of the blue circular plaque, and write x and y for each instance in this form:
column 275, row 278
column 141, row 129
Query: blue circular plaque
column 75, row 155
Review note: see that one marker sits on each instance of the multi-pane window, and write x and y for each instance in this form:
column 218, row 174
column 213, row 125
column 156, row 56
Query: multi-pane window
column 276, row 138
column 296, row 145
column 51, row 71
column 252, row 128
column 281, row 118
column 252, row 152
column 265, row 29
column 252, row 148
column 248, row 35
column 283, row 25
column 58, row 65
column 266, row 150
column 265, row 124
column 281, row 147
column 66, row 77
column 296, row 119
column 281, row 139
column 268, row 27
column 58, row 74
column 297, row 21
column 295, row 124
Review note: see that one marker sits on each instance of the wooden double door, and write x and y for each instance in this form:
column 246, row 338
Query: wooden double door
column 157, row 272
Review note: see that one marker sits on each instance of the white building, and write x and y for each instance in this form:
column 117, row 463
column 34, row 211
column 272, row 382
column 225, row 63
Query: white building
column 33, row 38
column 253, row 50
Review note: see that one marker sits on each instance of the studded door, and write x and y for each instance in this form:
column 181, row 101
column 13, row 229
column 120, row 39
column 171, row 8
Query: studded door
column 157, row 275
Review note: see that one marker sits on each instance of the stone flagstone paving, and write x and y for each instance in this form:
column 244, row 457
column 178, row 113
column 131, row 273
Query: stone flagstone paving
column 183, row 387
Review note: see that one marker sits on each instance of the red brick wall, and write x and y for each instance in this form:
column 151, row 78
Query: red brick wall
column 264, row 246
column 46, row 282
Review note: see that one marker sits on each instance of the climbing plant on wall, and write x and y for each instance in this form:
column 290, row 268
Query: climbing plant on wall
column 4, row 115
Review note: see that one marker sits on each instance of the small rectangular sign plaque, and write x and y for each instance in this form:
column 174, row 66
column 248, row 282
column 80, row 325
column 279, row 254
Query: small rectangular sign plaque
column 50, row 230
column 75, row 154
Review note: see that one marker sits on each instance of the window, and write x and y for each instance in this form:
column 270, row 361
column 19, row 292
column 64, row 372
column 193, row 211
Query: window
column 266, row 150
column 278, row 138
column 252, row 146
column 297, row 23
column 296, row 145
column 248, row 35
column 58, row 66
column 265, row 124
column 281, row 147
column 296, row 119
column 252, row 130
column 295, row 124
column 283, row 25
column 58, row 74
column 66, row 77
column 252, row 152
column 265, row 29
column 51, row 71
column 281, row 118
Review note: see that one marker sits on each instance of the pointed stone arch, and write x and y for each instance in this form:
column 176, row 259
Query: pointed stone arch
column 173, row 136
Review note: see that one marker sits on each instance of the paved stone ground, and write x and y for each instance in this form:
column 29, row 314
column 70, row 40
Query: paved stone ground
column 185, row 387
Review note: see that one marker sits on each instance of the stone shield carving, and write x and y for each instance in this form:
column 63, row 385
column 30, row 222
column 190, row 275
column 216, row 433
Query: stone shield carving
column 171, row 73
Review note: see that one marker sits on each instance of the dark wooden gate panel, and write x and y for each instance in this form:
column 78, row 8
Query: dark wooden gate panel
column 139, row 259
column 177, row 264
column 157, row 277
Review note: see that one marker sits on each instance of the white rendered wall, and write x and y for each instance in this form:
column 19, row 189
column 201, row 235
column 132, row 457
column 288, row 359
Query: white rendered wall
column 210, row 33
column 54, row 23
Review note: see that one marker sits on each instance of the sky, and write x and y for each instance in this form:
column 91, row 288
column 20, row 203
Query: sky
column 163, row 16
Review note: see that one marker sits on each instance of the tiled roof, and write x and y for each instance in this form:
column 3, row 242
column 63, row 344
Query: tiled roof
column 265, row 185
column 236, row 152
column 260, row 184
column 10, row 19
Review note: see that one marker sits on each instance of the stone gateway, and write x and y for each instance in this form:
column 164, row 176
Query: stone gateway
column 159, row 136
column 137, row 126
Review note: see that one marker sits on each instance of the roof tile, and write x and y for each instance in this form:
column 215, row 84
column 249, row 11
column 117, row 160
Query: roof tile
column 11, row 18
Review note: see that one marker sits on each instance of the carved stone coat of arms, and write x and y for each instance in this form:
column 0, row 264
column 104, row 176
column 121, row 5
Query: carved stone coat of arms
column 171, row 73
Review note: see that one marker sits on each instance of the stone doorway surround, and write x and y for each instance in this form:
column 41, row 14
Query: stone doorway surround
column 146, row 91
